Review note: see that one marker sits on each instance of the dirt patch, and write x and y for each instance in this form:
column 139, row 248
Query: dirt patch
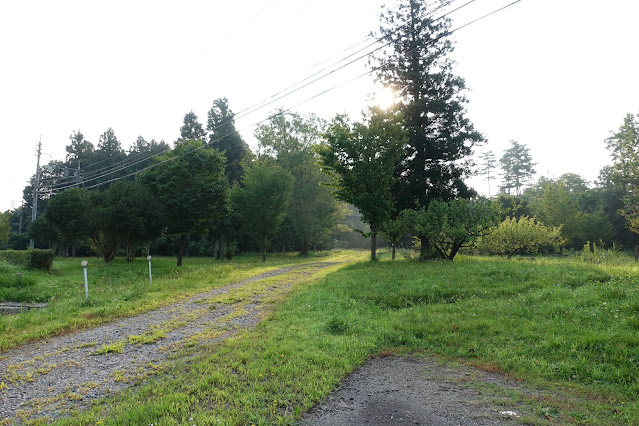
column 419, row 391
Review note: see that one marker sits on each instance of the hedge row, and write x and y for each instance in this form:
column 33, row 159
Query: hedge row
column 32, row 258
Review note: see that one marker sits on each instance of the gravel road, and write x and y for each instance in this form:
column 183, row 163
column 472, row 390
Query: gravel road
column 417, row 391
column 48, row 378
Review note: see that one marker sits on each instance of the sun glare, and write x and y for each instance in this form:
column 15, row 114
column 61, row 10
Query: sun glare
column 384, row 98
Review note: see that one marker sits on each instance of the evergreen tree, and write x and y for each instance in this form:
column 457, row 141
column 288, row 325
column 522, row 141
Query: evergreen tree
column 80, row 150
column 417, row 68
column 517, row 167
column 191, row 129
column 488, row 163
column 224, row 137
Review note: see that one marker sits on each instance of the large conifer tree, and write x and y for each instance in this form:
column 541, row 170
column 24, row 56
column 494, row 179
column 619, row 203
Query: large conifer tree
column 417, row 67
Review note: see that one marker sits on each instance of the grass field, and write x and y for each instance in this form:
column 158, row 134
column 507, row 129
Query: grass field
column 569, row 327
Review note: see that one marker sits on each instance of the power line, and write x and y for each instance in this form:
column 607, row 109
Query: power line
column 100, row 173
column 296, row 105
column 306, row 100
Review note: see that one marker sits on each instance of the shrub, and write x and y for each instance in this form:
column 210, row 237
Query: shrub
column 41, row 259
column 32, row 259
column 523, row 236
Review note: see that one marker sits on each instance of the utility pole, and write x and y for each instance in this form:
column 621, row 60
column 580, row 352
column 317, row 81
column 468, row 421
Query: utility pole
column 34, row 207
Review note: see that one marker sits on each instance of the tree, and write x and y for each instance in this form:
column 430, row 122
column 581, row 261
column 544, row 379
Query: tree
column 70, row 213
column 488, row 163
column 191, row 129
column 224, row 137
column 132, row 213
column 520, row 236
column 42, row 231
column 558, row 207
column 361, row 159
column 394, row 230
column 312, row 213
column 624, row 150
column 452, row 225
column 417, row 68
column 517, row 167
column 5, row 227
column 80, row 150
column 262, row 200
column 189, row 181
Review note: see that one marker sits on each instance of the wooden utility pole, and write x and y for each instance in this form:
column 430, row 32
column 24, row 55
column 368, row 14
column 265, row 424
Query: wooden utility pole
column 34, row 207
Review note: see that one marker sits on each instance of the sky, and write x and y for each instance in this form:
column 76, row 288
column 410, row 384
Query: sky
column 555, row 75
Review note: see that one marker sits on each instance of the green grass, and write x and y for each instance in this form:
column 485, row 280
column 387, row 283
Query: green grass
column 117, row 291
column 568, row 328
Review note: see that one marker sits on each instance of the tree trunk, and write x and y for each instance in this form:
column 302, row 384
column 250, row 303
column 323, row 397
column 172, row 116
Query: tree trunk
column 393, row 255
column 181, row 249
column 304, row 249
column 73, row 250
column 129, row 250
column 373, row 243
column 264, row 250
column 217, row 254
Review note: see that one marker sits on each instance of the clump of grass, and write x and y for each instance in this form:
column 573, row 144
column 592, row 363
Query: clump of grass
column 111, row 348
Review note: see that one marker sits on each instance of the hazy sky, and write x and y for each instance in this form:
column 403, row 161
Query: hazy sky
column 555, row 75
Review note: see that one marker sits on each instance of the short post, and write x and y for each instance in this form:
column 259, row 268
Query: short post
column 86, row 281
column 19, row 277
column 150, row 276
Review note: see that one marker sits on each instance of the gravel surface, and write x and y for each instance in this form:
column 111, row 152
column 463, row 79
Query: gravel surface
column 417, row 391
column 48, row 378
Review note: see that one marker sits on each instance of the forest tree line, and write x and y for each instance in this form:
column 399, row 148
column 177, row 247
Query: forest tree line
column 404, row 169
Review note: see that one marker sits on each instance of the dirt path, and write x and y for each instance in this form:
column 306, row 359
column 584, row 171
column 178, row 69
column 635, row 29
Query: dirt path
column 48, row 378
column 420, row 391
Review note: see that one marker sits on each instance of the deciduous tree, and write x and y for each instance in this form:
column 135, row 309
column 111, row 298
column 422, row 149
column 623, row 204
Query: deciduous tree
column 361, row 158
column 262, row 200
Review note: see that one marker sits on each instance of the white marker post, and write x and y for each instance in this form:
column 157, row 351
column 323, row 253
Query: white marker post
column 86, row 282
column 150, row 277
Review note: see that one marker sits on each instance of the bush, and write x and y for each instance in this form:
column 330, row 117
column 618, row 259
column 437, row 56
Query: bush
column 16, row 257
column 523, row 236
column 32, row 259
column 41, row 259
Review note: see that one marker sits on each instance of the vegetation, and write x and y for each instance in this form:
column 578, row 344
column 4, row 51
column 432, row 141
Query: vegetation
column 520, row 236
column 566, row 327
column 115, row 291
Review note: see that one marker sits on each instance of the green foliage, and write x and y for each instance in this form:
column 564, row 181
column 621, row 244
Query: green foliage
column 361, row 159
column 189, row 182
column 43, row 232
column 70, row 213
column 394, row 230
column 191, row 128
column 624, row 149
column 312, row 212
column 557, row 206
column 520, row 236
column 224, row 137
column 417, row 68
column 487, row 167
column 41, row 259
column 517, row 167
column 4, row 228
column 16, row 257
column 32, row 258
column 451, row 225
column 262, row 200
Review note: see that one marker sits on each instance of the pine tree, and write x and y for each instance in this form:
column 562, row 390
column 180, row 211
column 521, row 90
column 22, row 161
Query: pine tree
column 517, row 168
